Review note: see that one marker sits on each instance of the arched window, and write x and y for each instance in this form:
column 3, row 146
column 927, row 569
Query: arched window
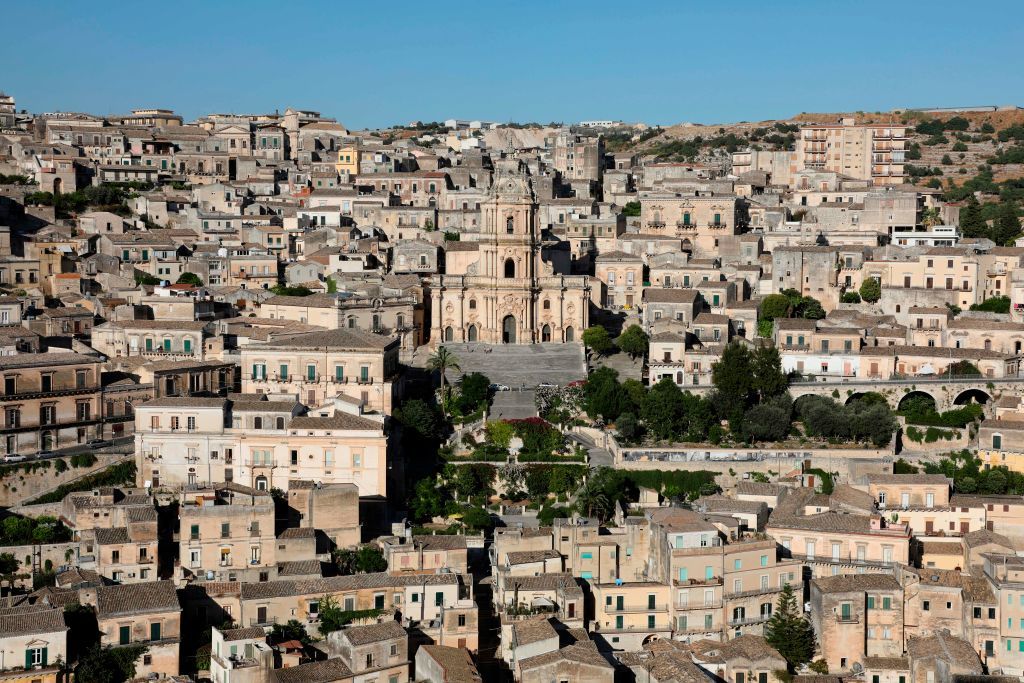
column 399, row 321
column 376, row 321
column 545, row 333
column 547, row 304
column 352, row 323
column 257, row 423
column 472, row 304
column 510, row 225
column 279, row 423
column 510, row 268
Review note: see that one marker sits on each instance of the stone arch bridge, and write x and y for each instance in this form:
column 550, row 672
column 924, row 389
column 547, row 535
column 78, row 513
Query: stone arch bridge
column 946, row 392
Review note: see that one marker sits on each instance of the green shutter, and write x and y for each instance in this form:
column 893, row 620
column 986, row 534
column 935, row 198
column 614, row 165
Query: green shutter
column 46, row 656
column 28, row 659
column 339, row 373
column 188, row 346
column 254, row 375
column 149, row 344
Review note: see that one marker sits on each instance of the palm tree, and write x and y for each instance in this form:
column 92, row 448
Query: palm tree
column 590, row 500
column 931, row 217
column 443, row 360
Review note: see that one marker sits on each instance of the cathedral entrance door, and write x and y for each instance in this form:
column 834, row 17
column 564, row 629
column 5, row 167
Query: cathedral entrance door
column 545, row 333
column 508, row 330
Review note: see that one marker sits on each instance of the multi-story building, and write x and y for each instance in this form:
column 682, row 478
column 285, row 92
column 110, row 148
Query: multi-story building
column 50, row 400
column 184, row 441
column 318, row 366
column 857, row 616
column 140, row 614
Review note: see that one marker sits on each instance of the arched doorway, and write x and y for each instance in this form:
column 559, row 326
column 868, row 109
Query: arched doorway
column 449, row 334
column 508, row 330
column 545, row 333
column 471, row 333
column 510, row 268
column 58, row 185
column 569, row 335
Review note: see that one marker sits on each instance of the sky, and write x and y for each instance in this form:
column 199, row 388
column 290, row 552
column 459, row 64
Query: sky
column 374, row 64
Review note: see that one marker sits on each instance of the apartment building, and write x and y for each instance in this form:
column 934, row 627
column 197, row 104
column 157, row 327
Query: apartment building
column 623, row 277
column 226, row 533
column 321, row 365
column 874, row 152
column 50, row 400
column 140, row 614
column 703, row 222
column 155, row 339
column 373, row 651
column 124, row 554
column 857, row 616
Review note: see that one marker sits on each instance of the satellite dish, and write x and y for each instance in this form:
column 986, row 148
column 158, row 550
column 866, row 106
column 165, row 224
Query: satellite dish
column 856, row 668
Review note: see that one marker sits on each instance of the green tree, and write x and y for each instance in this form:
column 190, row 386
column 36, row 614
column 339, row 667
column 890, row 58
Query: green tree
column 631, row 209
column 768, row 421
column 332, row 616
column 775, row 306
column 768, row 378
column 370, row 559
column 732, row 377
column 789, row 631
column 422, row 418
column 293, row 629
column 1006, row 225
column 628, row 427
column 190, row 279
column 633, row 341
column 443, row 361
column 108, row 665
column 603, row 395
column 474, row 390
column 661, row 409
column 972, row 223
column 499, row 433
column 596, row 339
column 870, row 290
column 428, row 500
column 477, row 519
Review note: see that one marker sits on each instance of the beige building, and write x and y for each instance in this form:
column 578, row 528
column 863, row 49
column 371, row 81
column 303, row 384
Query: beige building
column 33, row 645
column 857, row 616
column 703, row 222
column 318, row 366
column 141, row 613
column 259, row 444
column 510, row 294
column 156, row 339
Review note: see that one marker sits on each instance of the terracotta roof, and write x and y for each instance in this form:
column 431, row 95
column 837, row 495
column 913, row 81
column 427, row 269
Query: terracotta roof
column 580, row 653
column 334, row 584
column 946, row 648
column 338, row 421
column 373, row 633
column 456, row 664
column 326, row 671
column 132, row 598
column 887, row 663
column 670, row 296
column 251, row 633
column 340, row 338
column 856, row 582
column 32, row 619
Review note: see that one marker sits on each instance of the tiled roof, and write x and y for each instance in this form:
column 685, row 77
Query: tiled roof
column 156, row 596
column 373, row 633
column 670, row 296
column 532, row 631
column 856, row 582
column 326, row 671
column 455, row 662
column 335, row 584
column 947, row 648
column 339, row 339
column 887, row 663
column 300, row 568
column 580, row 653
column 529, row 556
column 32, row 619
column 338, row 421
column 251, row 633
column 113, row 536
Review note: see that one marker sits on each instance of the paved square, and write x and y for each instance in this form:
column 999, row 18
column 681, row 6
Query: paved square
column 521, row 365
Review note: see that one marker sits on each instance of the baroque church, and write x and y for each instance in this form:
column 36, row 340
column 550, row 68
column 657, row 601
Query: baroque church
column 510, row 294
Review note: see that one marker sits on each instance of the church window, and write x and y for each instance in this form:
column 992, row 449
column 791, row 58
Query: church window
column 547, row 304
column 510, row 268
column 472, row 304
column 509, row 225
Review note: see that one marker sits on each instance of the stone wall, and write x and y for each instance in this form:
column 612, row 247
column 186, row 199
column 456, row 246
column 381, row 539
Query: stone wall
column 18, row 485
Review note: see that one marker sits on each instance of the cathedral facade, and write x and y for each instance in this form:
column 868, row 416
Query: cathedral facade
column 509, row 294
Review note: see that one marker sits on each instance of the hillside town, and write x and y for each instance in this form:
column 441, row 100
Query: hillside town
column 465, row 401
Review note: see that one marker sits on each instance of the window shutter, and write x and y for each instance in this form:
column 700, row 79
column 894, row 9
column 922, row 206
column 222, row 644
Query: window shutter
column 45, row 656
column 28, row 659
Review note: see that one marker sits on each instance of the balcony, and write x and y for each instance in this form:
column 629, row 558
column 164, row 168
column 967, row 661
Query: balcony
column 747, row 621
column 689, row 227
column 714, row 604
column 26, row 394
column 266, row 621
column 655, row 224
column 848, row 618
column 634, row 609
column 719, row 224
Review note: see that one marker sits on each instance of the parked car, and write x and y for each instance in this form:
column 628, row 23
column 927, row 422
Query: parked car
column 500, row 387
column 99, row 443
column 14, row 457
column 547, row 385
column 45, row 454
